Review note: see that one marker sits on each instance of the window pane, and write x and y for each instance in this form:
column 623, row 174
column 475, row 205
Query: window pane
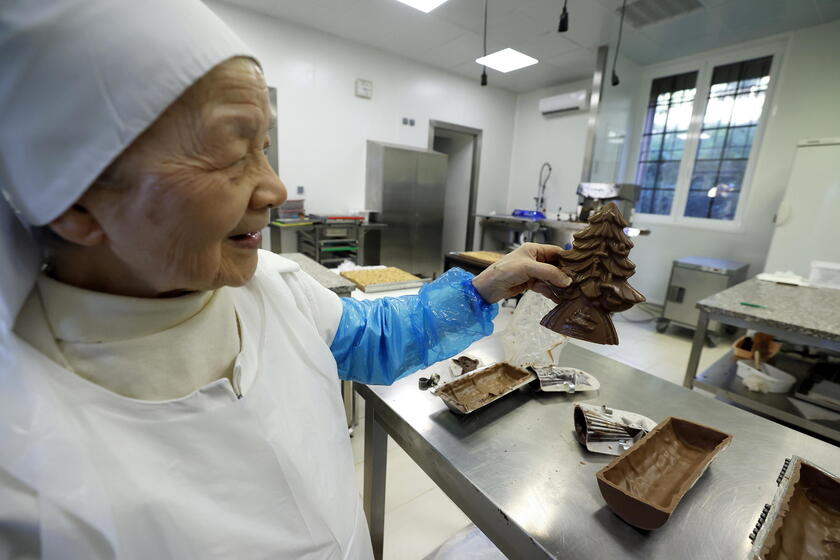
column 660, row 117
column 668, row 117
column 739, row 142
column 718, row 111
column 733, row 109
column 647, row 174
column 704, row 176
column 668, row 175
column 732, row 173
column 663, row 201
column 711, row 143
column 747, row 109
column 724, row 206
column 698, row 204
column 646, row 201
column 679, row 116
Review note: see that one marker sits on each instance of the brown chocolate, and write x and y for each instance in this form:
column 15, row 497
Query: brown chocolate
column 466, row 364
column 482, row 386
column 808, row 522
column 645, row 485
column 599, row 269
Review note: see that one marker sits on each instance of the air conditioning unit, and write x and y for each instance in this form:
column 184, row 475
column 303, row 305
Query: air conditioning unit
column 572, row 101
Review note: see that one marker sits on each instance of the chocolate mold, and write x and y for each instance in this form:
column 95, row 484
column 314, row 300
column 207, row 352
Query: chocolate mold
column 599, row 269
column 804, row 520
column 482, row 386
column 645, row 485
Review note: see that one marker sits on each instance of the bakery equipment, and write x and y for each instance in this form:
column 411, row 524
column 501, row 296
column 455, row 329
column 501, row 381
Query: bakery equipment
column 692, row 279
column 593, row 196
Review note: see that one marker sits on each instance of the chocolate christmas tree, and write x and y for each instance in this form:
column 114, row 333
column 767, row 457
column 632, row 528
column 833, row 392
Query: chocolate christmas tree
column 599, row 269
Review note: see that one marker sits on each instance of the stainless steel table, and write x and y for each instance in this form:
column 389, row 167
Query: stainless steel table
column 809, row 316
column 516, row 469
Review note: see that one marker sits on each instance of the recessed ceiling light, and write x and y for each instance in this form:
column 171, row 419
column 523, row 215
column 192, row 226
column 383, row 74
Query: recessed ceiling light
column 507, row 60
column 423, row 5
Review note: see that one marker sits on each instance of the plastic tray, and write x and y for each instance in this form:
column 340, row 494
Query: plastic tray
column 777, row 380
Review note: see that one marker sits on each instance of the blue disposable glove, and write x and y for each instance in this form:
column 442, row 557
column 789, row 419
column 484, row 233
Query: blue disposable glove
column 379, row 341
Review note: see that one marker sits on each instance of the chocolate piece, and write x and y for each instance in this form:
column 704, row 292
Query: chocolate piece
column 466, row 364
column 425, row 383
column 807, row 524
column 482, row 386
column 644, row 485
column 599, row 269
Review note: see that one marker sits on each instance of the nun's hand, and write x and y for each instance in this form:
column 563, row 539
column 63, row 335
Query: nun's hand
column 530, row 266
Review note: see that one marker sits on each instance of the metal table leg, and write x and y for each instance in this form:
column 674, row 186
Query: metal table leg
column 373, row 495
column 348, row 395
column 696, row 348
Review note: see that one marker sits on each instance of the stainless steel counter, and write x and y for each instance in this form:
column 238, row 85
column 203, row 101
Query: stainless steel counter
column 791, row 310
column 517, row 471
column 324, row 276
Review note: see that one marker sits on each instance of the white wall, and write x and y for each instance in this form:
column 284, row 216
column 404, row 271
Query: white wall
column 806, row 104
column 323, row 127
column 557, row 139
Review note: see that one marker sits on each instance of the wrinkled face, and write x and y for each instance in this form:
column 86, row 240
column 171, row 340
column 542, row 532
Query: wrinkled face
column 182, row 207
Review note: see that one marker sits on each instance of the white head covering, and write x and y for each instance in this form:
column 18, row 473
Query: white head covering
column 81, row 80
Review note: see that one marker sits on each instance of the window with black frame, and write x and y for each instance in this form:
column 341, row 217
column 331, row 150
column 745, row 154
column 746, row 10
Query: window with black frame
column 733, row 109
column 665, row 130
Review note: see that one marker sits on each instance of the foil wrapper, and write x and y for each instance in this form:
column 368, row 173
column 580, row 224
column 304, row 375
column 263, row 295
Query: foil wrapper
column 607, row 430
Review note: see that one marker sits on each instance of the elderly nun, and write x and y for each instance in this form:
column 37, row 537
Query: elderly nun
column 167, row 390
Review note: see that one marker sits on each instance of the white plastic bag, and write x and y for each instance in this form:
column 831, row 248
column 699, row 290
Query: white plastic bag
column 526, row 341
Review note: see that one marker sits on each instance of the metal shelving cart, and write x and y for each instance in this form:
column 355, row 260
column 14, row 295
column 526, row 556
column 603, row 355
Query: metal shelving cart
column 798, row 315
column 331, row 243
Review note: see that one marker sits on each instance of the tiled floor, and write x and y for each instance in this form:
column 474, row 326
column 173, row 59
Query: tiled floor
column 419, row 517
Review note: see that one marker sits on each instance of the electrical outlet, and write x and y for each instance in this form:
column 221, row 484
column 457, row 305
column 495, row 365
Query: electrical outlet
column 300, row 189
column 411, row 122
column 405, row 120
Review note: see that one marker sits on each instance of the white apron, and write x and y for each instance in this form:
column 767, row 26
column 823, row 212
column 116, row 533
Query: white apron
column 269, row 475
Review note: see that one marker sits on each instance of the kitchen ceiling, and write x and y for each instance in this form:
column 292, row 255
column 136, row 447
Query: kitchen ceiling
column 450, row 36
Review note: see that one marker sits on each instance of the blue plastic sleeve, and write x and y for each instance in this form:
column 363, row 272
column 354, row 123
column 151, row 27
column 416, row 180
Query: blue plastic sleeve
column 379, row 341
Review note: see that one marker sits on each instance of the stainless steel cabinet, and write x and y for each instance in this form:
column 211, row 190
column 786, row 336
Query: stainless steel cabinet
column 405, row 189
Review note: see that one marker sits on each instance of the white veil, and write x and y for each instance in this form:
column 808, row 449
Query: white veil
column 81, row 80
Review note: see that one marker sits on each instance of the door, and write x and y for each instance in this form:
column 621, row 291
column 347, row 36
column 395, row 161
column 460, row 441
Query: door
column 428, row 195
column 399, row 170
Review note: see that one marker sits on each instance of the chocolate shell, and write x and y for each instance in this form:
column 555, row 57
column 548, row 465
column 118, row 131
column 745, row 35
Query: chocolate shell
column 599, row 269
column 645, row 485
column 482, row 386
column 805, row 522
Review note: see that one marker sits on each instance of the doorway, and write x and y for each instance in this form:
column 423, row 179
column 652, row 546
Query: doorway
column 462, row 145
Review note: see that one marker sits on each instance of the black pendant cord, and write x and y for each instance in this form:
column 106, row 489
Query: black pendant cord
column 615, row 81
column 563, row 26
column 484, row 68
